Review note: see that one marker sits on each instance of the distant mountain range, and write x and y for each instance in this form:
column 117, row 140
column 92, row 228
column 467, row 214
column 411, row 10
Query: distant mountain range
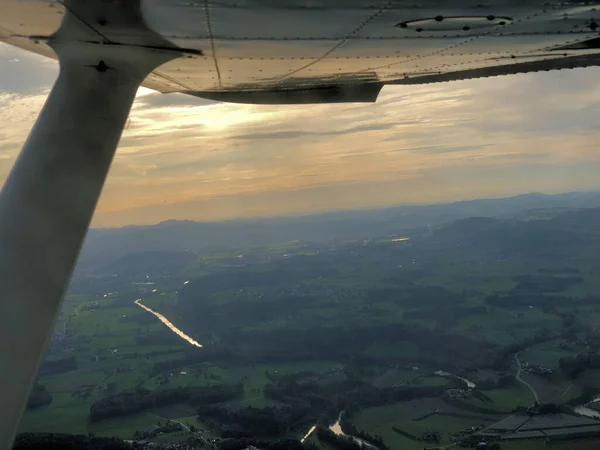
column 105, row 245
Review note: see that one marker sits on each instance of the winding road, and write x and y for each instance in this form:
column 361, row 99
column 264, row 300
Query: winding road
column 522, row 381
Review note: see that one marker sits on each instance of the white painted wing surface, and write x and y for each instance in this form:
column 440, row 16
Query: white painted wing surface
column 275, row 51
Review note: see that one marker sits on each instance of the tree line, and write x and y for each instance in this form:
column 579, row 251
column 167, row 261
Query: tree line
column 254, row 422
column 52, row 367
column 139, row 399
column 39, row 396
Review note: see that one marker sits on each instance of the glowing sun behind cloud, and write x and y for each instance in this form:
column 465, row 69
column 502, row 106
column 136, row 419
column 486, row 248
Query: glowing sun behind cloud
column 189, row 158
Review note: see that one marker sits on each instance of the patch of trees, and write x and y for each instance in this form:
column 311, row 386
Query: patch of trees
column 38, row 397
column 249, row 311
column 427, row 436
column 370, row 396
column 297, row 376
column 572, row 366
column 351, row 395
column 458, row 312
column 350, row 429
column 505, row 356
column 539, row 284
column 505, row 380
column 136, row 355
column 451, row 351
column 53, row 441
column 586, row 394
column 139, row 399
column 162, row 337
column 169, row 426
column 526, row 238
column 252, row 422
column 486, row 384
column 281, row 444
column 333, row 340
column 195, row 356
column 153, row 263
column 54, row 366
column 481, row 396
column 293, row 392
column 424, row 296
column 558, row 270
column 337, row 442
column 284, row 272
column 539, row 410
column 445, row 316
column 456, row 352
column 141, row 318
column 406, row 434
column 523, row 300
column 461, row 404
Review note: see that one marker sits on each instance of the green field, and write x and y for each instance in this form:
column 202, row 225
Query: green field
column 508, row 398
column 504, row 400
column 405, row 416
column 547, row 354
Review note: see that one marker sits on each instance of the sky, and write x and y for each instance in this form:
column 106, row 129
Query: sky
column 182, row 157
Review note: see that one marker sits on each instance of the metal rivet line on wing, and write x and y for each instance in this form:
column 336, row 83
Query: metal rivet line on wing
column 343, row 41
column 444, row 51
column 212, row 41
column 448, row 48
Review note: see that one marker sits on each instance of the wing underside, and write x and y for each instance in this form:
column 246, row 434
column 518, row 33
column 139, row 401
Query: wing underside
column 267, row 51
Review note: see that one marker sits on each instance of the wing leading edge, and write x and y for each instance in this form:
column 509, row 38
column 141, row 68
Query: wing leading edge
column 292, row 51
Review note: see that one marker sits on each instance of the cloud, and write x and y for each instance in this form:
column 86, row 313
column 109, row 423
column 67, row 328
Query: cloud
column 186, row 157
column 441, row 149
column 25, row 73
column 18, row 113
column 299, row 133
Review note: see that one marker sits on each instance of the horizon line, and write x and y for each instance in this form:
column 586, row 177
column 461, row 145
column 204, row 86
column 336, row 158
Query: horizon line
column 301, row 215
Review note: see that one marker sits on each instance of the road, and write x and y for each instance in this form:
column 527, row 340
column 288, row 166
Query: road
column 185, row 427
column 522, row 381
column 563, row 394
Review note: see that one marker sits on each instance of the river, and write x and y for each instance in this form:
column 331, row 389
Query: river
column 313, row 428
column 168, row 323
column 337, row 429
column 589, row 412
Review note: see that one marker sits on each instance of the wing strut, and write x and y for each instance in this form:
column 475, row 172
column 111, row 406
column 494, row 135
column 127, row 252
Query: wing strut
column 48, row 200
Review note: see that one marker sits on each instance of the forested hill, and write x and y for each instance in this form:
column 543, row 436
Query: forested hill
column 54, row 441
column 561, row 236
column 104, row 246
column 553, row 246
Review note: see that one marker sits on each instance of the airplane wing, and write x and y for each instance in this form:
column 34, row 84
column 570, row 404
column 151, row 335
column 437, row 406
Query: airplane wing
column 298, row 51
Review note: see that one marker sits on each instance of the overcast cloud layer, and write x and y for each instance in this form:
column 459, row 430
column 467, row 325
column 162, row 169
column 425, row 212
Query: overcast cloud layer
column 186, row 158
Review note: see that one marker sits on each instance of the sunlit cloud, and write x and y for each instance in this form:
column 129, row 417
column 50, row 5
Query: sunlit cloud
column 186, row 157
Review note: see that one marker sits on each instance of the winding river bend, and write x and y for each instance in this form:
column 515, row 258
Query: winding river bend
column 589, row 412
column 168, row 323
column 337, row 429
